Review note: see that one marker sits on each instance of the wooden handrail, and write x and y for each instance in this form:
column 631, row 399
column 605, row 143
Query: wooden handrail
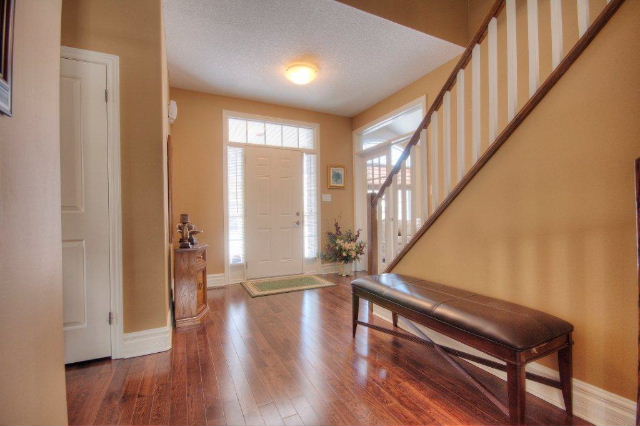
column 462, row 62
column 582, row 43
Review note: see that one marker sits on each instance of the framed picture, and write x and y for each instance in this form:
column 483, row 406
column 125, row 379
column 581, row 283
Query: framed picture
column 336, row 177
column 6, row 54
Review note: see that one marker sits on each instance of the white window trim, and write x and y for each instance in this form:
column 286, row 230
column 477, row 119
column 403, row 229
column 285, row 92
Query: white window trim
column 360, row 184
column 309, row 266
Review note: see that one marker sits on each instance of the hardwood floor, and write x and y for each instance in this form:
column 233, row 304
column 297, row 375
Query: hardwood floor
column 286, row 359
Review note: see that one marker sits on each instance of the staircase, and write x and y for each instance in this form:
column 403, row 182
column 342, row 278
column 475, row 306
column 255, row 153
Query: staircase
column 464, row 128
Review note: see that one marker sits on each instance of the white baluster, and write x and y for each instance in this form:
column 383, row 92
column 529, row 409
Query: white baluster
column 475, row 102
column 413, row 196
column 512, row 60
column 435, row 163
column 461, row 137
column 378, row 181
column 424, row 167
column 583, row 16
column 534, row 46
column 418, row 189
column 403, row 203
column 388, row 227
column 396, row 216
column 447, row 142
column 380, row 230
column 493, row 79
column 556, row 33
column 372, row 165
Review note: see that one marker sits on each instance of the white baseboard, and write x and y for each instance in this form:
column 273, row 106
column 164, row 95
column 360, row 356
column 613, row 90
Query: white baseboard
column 328, row 268
column 333, row 268
column 215, row 280
column 145, row 342
column 591, row 403
column 218, row 280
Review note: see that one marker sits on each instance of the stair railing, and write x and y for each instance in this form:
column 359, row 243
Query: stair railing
column 408, row 202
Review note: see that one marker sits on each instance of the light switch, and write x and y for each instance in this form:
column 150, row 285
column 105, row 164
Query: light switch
column 326, row 198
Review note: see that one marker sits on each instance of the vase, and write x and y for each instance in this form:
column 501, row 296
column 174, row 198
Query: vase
column 345, row 269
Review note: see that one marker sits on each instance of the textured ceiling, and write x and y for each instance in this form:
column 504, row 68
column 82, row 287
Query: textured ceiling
column 241, row 48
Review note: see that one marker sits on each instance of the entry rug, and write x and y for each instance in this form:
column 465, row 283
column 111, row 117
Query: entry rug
column 276, row 285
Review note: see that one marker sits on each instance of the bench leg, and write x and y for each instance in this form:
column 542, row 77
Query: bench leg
column 370, row 310
column 516, row 389
column 355, row 300
column 394, row 315
column 566, row 372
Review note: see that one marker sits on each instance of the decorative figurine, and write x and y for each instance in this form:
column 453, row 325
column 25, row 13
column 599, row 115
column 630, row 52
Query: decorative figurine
column 192, row 237
column 187, row 231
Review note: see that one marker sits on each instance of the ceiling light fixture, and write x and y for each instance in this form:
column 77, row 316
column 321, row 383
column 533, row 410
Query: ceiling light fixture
column 301, row 73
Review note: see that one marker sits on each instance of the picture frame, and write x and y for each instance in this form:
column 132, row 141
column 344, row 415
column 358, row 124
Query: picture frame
column 7, row 8
column 336, row 176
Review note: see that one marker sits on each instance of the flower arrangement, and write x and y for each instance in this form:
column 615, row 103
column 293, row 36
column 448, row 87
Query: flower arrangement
column 343, row 247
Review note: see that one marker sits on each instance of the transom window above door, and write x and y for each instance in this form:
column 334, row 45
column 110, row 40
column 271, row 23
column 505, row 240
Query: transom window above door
column 260, row 132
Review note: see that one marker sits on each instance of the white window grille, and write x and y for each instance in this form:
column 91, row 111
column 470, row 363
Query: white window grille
column 310, row 228
column 235, row 194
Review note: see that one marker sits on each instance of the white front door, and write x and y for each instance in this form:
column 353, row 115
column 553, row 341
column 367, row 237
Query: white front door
column 273, row 212
column 85, row 210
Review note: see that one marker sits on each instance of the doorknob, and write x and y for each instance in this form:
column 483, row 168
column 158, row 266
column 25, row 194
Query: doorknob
column 298, row 222
column 297, row 213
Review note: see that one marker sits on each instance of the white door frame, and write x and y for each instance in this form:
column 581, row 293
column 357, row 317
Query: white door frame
column 360, row 184
column 307, row 268
column 112, row 63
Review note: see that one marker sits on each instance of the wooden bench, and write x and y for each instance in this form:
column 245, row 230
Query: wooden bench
column 509, row 332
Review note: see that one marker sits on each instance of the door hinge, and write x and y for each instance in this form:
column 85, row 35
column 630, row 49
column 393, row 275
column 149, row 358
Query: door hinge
column 106, row 95
column 110, row 318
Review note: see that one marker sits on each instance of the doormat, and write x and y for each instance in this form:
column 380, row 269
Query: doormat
column 276, row 285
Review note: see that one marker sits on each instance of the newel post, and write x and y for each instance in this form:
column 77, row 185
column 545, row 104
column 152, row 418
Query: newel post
column 372, row 234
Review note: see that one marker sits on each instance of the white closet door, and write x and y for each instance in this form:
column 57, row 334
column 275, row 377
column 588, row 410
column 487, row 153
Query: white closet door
column 85, row 210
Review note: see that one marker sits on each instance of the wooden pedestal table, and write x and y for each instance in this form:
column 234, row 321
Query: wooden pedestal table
column 190, row 286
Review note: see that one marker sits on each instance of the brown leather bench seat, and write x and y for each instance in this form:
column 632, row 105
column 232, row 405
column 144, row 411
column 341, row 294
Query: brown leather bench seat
column 506, row 323
column 514, row 334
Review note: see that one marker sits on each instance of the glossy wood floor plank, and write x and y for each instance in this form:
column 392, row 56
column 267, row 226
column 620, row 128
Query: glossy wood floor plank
column 161, row 402
column 286, row 359
column 142, row 407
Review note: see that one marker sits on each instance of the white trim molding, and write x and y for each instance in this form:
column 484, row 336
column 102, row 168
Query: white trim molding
column 328, row 268
column 359, row 166
column 236, row 273
column 112, row 64
column 590, row 403
column 216, row 280
column 146, row 342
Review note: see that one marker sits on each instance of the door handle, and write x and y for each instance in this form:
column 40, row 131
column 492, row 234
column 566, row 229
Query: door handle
column 298, row 222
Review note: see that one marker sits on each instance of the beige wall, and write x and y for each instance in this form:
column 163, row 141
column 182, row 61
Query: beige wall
column 445, row 19
column 550, row 221
column 476, row 11
column 32, row 389
column 132, row 30
column 452, row 20
column 429, row 85
column 197, row 162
